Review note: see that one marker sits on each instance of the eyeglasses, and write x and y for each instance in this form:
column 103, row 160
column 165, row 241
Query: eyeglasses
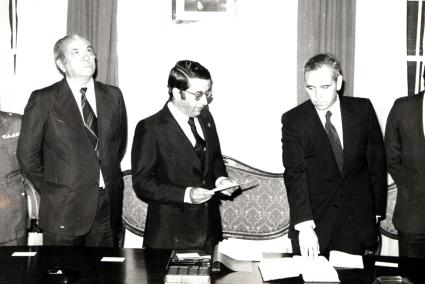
column 198, row 95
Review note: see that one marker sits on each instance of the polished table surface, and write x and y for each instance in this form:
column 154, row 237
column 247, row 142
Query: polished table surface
column 148, row 266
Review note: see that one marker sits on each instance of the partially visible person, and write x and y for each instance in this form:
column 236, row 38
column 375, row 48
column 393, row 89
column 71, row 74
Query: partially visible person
column 176, row 161
column 335, row 171
column 13, row 206
column 405, row 148
column 73, row 137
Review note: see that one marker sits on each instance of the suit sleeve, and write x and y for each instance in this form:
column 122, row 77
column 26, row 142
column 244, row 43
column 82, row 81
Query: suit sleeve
column 122, row 127
column 377, row 163
column 393, row 144
column 145, row 170
column 295, row 175
column 30, row 152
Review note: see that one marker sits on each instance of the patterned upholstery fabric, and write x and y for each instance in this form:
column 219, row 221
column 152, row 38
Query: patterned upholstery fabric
column 258, row 213
column 261, row 212
column 387, row 227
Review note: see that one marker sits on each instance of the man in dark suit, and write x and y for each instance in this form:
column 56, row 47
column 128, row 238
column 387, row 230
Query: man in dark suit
column 405, row 148
column 176, row 160
column 73, row 138
column 334, row 160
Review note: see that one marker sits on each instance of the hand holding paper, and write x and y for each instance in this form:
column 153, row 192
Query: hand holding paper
column 243, row 186
column 226, row 186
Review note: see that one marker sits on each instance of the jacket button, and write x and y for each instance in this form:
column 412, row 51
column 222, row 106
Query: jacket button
column 203, row 182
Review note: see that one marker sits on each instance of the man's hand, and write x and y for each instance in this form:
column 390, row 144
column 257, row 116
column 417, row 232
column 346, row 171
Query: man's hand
column 309, row 244
column 200, row 195
column 227, row 182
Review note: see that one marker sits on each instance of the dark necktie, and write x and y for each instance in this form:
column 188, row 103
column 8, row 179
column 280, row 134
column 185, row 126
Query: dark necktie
column 334, row 140
column 200, row 143
column 90, row 121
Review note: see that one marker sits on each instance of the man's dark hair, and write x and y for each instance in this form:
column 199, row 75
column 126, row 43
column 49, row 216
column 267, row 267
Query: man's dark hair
column 323, row 59
column 182, row 72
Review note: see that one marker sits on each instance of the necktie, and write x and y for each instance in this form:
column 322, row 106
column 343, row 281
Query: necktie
column 200, row 143
column 90, row 121
column 334, row 140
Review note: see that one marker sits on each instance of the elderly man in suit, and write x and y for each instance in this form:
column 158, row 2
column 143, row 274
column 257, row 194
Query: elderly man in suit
column 176, row 161
column 335, row 171
column 73, row 138
column 405, row 148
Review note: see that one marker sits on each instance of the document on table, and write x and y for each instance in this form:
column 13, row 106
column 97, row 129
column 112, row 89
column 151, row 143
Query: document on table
column 346, row 260
column 278, row 268
column 318, row 270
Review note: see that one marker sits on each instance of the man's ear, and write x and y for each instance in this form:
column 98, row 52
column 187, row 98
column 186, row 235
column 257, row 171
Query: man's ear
column 339, row 82
column 177, row 94
column 61, row 66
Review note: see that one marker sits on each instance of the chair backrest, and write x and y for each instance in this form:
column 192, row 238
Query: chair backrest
column 258, row 213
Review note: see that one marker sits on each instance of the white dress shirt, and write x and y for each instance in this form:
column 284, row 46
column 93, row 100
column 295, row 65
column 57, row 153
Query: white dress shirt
column 91, row 98
column 182, row 120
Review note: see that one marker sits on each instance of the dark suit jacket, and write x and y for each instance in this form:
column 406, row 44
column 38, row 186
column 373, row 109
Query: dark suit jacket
column 55, row 153
column 405, row 145
column 316, row 189
column 163, row 165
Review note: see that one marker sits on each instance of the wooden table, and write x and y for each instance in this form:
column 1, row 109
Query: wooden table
column 148, row 266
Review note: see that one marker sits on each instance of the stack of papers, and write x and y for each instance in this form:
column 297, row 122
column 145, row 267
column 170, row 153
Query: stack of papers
column 345, row 260
column 319, row 270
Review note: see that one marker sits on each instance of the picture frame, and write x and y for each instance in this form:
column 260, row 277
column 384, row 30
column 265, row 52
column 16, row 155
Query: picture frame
column 188, row 11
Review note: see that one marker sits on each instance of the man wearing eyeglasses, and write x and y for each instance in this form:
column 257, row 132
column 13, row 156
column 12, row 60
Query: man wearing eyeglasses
column 176, row 161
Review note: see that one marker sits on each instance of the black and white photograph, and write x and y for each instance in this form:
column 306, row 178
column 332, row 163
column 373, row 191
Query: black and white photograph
column 212, row 141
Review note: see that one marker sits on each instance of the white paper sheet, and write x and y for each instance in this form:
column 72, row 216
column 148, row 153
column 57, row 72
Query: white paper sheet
column 278, row 268
column 319, row 270
column 346, row 260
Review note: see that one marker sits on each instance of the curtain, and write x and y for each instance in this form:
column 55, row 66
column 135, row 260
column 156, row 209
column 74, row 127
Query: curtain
column 326, row 26
column 96, row 21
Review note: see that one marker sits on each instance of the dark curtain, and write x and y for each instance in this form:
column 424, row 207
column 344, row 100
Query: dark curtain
column 326, row 26
column 96, row 21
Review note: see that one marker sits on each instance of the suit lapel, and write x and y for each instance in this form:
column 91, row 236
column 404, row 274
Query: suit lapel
column 319, row 136
column 351, row 134
column 67, row 107
column 174, row 132
column 105, row 109
column 206, row 129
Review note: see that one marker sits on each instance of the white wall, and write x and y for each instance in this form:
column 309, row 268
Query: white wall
column 252, row 59
column 380, row 59
column 40, row 24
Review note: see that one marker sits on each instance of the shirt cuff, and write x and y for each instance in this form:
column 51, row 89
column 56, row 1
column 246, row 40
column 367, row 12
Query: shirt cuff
column 309, row 224
column 187, row 195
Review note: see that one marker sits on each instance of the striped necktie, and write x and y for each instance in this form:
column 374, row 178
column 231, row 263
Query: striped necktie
column 90, row 121
column 334, row 140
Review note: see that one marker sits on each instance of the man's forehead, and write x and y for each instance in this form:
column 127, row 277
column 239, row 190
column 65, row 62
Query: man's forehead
column 199, row 84
column 76, row 42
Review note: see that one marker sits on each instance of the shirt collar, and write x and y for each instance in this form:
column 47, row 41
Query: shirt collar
column 181, row 118
column 76, row 86
column 335, row 108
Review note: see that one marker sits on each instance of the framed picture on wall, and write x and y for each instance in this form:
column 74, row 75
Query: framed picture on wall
column 186, row 11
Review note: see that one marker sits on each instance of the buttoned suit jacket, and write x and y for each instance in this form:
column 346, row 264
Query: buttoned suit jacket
column 405, row 148
column 164, row 164
column 57, row 156
column 316, row 189
column 13, row 210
